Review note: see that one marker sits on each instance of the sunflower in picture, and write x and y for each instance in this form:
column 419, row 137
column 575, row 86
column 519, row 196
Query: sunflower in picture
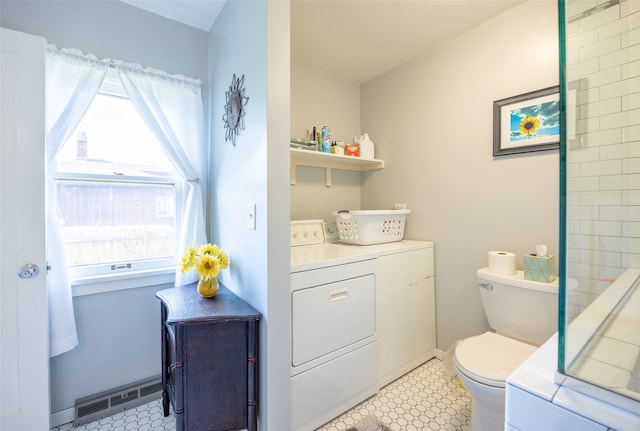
column 529, row 125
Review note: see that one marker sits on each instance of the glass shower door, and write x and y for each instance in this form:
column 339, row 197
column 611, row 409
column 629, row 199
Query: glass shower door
column 599, row 332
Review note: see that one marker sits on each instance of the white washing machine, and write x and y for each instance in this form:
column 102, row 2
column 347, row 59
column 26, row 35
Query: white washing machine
column 334, row 327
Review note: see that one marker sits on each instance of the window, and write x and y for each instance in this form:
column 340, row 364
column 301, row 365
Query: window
column 116, row 191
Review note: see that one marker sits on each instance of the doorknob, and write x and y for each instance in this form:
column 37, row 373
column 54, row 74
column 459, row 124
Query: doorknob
column 28, row 270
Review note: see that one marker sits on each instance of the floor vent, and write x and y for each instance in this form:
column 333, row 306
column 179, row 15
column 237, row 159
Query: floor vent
column 116, row 400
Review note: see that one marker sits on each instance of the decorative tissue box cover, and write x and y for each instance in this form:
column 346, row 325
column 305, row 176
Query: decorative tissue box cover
column 539, row 268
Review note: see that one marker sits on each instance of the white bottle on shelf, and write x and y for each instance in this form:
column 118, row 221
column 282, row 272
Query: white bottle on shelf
column 367, row 149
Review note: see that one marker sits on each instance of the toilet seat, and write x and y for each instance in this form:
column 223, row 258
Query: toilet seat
column 490, row 358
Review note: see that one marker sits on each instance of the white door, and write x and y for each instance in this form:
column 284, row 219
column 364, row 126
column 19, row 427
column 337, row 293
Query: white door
column 24, row 337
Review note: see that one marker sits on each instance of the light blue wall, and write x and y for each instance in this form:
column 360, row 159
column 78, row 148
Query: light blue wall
column 118, row 331
column 109, row 28
column 119, row 343
column 251, row 38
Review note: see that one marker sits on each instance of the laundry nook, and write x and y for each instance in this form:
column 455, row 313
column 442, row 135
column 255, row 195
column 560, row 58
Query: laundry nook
column 362, row 316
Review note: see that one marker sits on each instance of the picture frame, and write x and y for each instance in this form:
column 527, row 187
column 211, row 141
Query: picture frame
column 526, row 123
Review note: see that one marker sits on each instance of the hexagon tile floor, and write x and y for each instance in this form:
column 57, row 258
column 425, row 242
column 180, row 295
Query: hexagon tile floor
column 424, row 399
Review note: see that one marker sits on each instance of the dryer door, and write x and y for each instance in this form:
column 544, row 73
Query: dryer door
column 332, row 316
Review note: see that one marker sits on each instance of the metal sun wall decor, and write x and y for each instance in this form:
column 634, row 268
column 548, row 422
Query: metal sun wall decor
column 234, row 111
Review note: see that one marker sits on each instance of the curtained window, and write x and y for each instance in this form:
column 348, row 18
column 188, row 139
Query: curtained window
column 118, row 203
column 116, row 191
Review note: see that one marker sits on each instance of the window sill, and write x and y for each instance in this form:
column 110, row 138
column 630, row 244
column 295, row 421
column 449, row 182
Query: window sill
column 129, row 280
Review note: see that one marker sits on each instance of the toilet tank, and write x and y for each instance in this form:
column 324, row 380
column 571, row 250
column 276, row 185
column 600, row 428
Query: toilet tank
column 523, row 309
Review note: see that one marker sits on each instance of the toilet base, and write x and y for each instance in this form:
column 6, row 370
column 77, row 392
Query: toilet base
column 487, row 403
column 487, row 412
column 487, row 385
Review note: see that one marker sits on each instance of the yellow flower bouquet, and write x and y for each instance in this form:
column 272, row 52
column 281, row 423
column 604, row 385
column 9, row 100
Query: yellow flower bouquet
column 207, row 260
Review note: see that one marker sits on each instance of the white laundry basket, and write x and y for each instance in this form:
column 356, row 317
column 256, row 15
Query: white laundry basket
column 367, row 227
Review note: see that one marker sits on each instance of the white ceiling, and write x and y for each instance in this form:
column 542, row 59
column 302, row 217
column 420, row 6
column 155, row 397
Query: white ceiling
column 200, row 14
column 354, row 39
column 361, row 39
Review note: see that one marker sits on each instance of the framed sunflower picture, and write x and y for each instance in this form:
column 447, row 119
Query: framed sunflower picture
column 528, row 122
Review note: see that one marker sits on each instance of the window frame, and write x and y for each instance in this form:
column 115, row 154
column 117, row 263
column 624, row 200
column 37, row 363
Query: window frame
column 95, row 278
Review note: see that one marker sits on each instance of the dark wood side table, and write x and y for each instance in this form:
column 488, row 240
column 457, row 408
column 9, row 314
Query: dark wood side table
column 209, row 359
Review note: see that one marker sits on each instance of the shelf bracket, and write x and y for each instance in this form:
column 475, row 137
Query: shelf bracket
column 328, row 162
column 293, row 178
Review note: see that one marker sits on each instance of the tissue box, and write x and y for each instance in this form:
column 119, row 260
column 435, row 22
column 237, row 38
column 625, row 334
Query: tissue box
column 540, row 268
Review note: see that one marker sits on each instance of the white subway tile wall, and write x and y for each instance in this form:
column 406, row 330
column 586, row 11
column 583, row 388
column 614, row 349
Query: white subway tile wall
column 603, row 162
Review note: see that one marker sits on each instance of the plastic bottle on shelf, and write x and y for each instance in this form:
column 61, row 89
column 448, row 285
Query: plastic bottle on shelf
column 367, row 149
column 326, row 139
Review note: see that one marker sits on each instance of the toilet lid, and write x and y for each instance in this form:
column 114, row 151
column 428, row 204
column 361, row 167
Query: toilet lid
column 490, row 358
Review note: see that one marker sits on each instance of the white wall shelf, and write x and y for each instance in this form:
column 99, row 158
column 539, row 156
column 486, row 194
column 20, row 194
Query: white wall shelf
column 330, row 161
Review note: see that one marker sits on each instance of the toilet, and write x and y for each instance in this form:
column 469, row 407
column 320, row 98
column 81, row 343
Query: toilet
column 523, row 314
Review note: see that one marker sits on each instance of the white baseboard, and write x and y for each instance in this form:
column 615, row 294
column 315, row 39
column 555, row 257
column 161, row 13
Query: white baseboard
column 440, row 354
column 62, row 417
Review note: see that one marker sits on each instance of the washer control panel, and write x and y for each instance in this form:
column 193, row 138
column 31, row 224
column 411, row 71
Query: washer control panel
column 305, row 232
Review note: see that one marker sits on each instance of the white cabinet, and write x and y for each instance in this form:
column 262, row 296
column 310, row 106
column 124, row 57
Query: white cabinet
column 407, row 328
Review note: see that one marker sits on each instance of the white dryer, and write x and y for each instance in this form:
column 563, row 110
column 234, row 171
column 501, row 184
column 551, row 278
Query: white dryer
column 334, row 327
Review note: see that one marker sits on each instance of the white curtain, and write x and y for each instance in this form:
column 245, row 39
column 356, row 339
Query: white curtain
column 171, row 106
column 72, row 81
